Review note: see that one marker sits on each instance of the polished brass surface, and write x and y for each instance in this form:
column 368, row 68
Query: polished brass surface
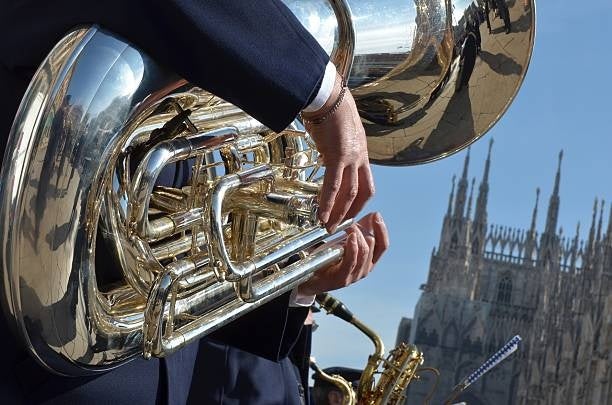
column 428, row 76
column 349, row 397
column 101, row 121
column 97, row 128
column 395, row 372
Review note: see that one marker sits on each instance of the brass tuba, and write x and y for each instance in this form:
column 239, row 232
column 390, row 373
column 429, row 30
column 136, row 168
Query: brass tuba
column 100, row 121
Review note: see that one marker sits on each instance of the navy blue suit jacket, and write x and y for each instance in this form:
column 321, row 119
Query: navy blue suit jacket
column 228, row 375
column 239, row 364
column 254, row 54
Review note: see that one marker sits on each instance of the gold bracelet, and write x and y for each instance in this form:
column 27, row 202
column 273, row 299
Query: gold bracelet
column 330, row 112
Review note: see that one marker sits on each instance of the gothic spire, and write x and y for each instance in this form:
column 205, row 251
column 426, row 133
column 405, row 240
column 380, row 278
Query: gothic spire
column 558, row 176
column 469, row 208
column 574, row 249
column 576, row 238
column 553, row 206
column 451, row 197
column 466, row 164
column 530, row 242
column 599, row 225
column 608, row 242
column 462, row 188
column 483, row 191
column 534, row 215
column 609, row 231
column 485, row 177
column 592, row 230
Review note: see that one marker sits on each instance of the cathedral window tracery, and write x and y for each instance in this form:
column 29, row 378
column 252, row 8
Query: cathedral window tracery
column 504, row 290
column 475, row 246
column 454, row 241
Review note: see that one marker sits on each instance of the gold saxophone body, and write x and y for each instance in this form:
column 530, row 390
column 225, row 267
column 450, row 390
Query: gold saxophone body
column 395, row 371
column 349, row 396
column 101, row 121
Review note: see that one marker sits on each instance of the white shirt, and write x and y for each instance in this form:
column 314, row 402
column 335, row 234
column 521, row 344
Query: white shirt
column 327, row 86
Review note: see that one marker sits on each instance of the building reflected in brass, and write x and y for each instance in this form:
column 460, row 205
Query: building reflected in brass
column 428, row 77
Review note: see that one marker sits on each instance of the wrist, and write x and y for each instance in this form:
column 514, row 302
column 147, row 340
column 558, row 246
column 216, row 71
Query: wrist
column 330, row 106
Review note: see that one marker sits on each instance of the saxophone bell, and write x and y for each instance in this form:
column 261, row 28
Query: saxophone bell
column 338, row 378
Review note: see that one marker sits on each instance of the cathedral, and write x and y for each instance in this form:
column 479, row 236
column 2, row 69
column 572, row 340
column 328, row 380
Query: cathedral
column 487, row 283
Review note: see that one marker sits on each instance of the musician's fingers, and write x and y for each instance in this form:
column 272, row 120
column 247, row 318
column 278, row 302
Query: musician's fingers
column 366, row 190
column 381, row 236
column 345, row 196
column 343, row 273
column 363, row 255
column 329, row 191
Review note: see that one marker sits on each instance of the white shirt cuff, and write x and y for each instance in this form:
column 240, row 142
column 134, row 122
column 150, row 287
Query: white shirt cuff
column 298, row 300
column 327, row 86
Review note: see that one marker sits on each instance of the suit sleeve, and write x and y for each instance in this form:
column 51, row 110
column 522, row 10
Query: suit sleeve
column 254, row 54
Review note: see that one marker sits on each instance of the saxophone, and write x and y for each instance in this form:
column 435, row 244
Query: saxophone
column 401, row 366
column 101, row 121
column 397, row 370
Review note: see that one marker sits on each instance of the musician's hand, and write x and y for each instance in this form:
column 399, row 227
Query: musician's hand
column 367, row 240
column 347, row 183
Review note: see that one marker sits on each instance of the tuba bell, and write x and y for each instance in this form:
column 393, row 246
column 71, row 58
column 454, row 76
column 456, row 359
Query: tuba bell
column 101, row 122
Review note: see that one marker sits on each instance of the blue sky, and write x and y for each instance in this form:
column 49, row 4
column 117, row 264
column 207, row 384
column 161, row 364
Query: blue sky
column 565, row 103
